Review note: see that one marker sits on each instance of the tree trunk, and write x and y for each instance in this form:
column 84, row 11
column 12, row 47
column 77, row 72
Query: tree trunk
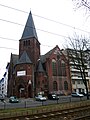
column 85, row 83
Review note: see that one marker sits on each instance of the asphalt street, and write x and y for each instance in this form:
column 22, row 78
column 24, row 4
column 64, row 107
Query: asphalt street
column 31, row 102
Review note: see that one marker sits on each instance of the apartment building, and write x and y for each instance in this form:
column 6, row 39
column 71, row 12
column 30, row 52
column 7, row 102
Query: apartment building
column 75, row 72
column 4, row 82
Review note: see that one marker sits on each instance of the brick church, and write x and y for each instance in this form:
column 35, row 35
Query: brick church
column 31, row 73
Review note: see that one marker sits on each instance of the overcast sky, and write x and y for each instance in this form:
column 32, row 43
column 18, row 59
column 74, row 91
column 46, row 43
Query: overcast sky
column 54, row 20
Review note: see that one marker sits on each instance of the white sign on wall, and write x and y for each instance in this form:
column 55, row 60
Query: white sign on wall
column 21, row 73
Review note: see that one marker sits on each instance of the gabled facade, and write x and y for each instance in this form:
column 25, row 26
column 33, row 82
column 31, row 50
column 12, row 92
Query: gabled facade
column 31, row 73
column 57, row 71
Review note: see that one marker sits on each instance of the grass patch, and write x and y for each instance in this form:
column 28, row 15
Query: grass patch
column 41, row 109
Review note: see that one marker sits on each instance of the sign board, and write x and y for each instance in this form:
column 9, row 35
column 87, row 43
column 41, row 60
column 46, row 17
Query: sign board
column 21, row 73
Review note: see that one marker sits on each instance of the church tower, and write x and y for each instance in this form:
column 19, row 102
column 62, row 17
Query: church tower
column 29, row 41
column 25, row 67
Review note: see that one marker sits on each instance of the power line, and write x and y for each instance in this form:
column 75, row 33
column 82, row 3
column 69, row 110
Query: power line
column 29, row 27
column 18, row 41
column 8, row 48
column 45, row 18
column 11, row 22
column 34, row 28
column 62, row 23
column 8, row 39
column 13, row 8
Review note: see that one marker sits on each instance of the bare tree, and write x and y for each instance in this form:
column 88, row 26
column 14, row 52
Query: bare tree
column 78, row 51
column 82, row 3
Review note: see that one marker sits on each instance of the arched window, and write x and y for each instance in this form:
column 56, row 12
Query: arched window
column 55, row 86
column 63, row 66
column 24, row 43
column 28, row 42
column 59, row 68
column 54, row 67
column 65, row 85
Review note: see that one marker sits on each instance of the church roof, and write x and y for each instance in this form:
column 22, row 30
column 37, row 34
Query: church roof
column 40, row 67
column 13, row 61
column 24, row 59
column 14, row 58
column 48, row 54
column 29, row 30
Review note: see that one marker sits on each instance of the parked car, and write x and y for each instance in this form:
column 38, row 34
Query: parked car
column 40, row 98
column 85, row 94
column 53, row 97
column 2, row 97
column 77, row 95
column 13, row 99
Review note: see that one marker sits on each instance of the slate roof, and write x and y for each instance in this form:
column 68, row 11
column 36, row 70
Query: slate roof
column 24, row 59
column 29, row 30
column 40, row 67
column 47, row 55
column 14, row 58
column 44, row 57
column 2, row 80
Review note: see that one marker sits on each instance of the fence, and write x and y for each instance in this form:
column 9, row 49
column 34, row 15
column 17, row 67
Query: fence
column 26, row 103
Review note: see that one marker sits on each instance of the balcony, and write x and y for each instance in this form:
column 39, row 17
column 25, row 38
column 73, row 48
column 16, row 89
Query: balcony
column 76, row 78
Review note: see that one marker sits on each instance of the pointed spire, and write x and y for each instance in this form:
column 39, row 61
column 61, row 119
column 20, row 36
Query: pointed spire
column 29, row 30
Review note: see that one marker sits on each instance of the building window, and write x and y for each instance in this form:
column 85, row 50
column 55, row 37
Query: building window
column 42, row 81
column 55, row 86
column 79, row 89
column 2, row 88
column 73, row 81
column 81, row 82
column 74, row 90
column 82, row 90
column 38, row 83
column 26, row 42
column 78, row 82
column 60, row 85
column 63, row 66
column 54, row 67
column 65, row 85
column 45, row 86
column 59, row 69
